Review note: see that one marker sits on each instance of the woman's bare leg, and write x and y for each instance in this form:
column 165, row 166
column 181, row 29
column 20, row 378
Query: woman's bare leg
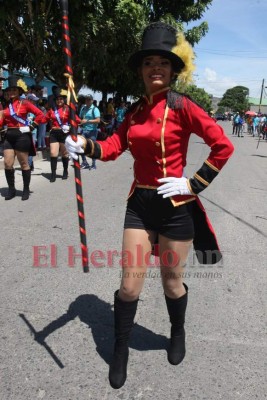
column 173, row 256
column 137, row 243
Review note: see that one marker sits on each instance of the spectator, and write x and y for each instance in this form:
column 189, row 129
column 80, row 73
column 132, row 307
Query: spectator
column 255, row 124
column 41, row 132
column 90, row 118
column 236, row 125
column 120, row 114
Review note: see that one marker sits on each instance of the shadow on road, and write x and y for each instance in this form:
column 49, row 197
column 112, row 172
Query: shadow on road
column 47, row 175
column 4, row 191
column 258, row 155
column 98, row 316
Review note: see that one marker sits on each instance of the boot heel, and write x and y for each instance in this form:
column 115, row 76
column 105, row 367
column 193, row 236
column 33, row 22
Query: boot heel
column 10, row 178
column 176, row 351
column 11, row 194
column 53, row 162
column 25, row 194
column 53, row 177
column 176, row 309
column 118, row 367
column 65, row 162
column 124, row 313
column 65, row 175
column 26, row 175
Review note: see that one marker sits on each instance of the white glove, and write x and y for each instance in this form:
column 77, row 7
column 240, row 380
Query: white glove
column 173, row 186
column 74, row 147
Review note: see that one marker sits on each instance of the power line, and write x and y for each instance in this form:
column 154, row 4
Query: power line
column 237, row 81
column 230, row 55
column 235, row 51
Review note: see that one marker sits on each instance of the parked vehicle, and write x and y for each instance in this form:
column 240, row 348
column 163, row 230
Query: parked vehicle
column 220, row 117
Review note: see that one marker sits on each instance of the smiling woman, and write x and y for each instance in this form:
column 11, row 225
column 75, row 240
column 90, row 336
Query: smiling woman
column 157, row 72
column 163, row 211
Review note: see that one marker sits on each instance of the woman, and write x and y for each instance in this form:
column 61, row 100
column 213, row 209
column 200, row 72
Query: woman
column 59, row 119
column 18, row 141
column 41, row 144
column 163, row 206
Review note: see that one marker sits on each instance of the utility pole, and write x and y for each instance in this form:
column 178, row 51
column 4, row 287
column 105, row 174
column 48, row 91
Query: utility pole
column 262, row 87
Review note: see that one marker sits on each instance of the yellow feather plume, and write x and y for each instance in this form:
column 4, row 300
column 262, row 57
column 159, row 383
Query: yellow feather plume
column 185, row 51
column 22, row 85
column 63, row 92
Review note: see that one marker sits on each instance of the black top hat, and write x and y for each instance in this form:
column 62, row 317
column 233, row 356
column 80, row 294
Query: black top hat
column 58, row 92
column 36, row 87
column 16, row 81
column 158, row 39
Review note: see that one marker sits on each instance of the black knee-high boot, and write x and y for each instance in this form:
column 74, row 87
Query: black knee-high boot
column 176, row 309
column 10, row 178
column 124, row 313
column 26, row 175
column 65, row 162
column 53, row 162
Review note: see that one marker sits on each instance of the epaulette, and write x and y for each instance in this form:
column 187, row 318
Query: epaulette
column 177, row 100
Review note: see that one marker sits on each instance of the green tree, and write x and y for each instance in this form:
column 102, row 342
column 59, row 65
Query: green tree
column 199, row 96
column 235, row 99
column 103, row 35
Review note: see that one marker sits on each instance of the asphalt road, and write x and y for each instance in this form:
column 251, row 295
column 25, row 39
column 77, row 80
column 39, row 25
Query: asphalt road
column 44, row 290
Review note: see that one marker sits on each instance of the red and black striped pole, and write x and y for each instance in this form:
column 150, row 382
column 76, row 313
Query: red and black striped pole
column 73, row 130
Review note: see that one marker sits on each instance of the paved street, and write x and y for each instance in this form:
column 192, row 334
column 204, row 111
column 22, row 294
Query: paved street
column 43, row 289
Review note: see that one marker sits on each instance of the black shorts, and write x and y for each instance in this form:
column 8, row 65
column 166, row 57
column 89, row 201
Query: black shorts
column 148, row 210
column 17, row 140
column 57, row 136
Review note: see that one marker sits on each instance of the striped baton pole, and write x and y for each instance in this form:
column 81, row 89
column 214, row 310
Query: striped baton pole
column 73, row 129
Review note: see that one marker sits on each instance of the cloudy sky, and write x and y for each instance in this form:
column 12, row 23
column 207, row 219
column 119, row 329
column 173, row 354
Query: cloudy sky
column 234, row 51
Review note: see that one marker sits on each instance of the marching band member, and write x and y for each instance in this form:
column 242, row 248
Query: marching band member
column 18, row 140
column 58, row 116
column 163, row 206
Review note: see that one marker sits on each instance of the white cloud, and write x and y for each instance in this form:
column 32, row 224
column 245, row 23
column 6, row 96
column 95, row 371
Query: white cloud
column 210, row 75
column 215, row 83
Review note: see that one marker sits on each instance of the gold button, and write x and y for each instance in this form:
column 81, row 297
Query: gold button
column 158, row 120
column 132, row 122
column 130, row 143
column 157, row 144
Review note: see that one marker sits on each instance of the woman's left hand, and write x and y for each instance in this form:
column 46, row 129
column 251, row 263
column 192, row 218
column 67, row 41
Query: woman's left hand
column 174, row 186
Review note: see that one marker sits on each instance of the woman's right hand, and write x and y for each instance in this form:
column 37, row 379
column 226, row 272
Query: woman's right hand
column 75, row 148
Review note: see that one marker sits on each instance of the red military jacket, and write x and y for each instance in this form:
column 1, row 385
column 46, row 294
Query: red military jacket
column 157, row 136
column 63, row 115
column 22, row 108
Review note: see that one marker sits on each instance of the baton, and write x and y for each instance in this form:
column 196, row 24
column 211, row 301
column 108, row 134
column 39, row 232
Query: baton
column 73, row 130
